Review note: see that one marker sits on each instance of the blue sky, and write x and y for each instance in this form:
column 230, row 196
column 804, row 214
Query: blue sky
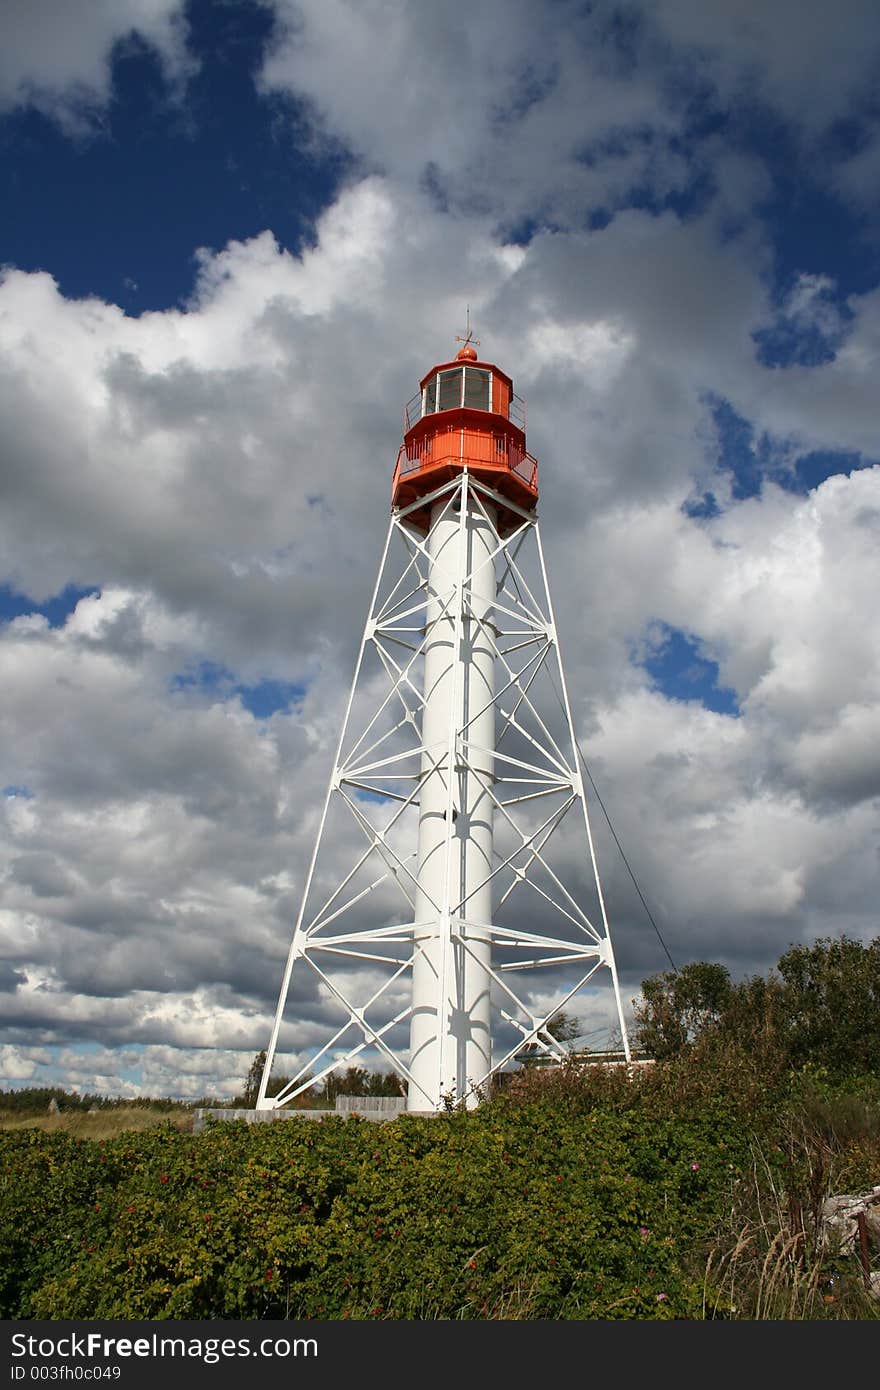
column 118, row 210
column 234, row 237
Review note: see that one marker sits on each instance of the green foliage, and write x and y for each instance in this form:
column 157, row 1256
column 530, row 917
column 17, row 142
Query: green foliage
column 35, row 1100
column 577, row 1193
column 354, row 1081
column 821, row 1007
column 564, row 1027
column 357, row 1081
column 770, row 1257
column 831, row 1005
column 678, row 1005
column 454, row 1217
column 252, row 1084
column 688, row 1189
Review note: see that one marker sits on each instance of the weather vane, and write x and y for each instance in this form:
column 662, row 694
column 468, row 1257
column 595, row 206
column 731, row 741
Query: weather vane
column 469, row 340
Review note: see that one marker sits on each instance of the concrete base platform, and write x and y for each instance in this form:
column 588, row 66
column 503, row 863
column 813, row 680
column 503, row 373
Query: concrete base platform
column 254, row 1117
column 375, row 1108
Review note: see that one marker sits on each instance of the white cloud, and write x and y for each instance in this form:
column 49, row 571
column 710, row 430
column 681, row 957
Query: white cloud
column 813, row 68
column 145, row 870
column 15, row 1064
column 56, row 53
column 856, row 176
column 220, row 475
column 542, row 116
column 493, row 107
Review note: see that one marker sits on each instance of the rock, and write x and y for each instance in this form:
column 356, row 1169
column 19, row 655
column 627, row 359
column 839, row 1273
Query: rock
column 841, row 1217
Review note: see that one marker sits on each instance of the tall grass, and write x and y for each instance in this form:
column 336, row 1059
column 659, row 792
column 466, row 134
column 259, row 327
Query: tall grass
column 103, row 1124
column 774, row 1257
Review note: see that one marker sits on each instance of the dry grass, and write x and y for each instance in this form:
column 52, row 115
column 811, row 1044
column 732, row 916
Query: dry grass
column 104, row 1124
column 774, row 1264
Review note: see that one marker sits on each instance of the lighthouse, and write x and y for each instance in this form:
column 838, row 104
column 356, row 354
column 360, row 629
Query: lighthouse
column 452, row 906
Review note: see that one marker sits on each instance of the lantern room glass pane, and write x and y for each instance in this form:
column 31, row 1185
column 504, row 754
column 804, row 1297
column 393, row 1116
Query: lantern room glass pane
column 431, row 396
column 450, row 390
column 476, row 388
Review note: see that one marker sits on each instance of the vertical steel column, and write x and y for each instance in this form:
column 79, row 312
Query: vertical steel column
column 451, row 1045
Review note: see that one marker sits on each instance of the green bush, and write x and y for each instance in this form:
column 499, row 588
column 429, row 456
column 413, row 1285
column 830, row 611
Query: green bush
column 530, row 1207
column 689, row 1189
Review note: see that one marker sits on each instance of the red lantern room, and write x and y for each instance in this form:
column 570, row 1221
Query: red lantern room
column 466, row 415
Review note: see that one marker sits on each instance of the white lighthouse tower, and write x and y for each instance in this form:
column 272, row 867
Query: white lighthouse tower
column 466, row 909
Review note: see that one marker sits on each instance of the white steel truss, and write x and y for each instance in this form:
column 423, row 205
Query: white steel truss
column 372, row 933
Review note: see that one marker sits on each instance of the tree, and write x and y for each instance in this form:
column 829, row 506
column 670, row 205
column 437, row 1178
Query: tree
column 385, row 1083
column 357, row 1081
column 564, row 1027
column 830, row 1008
column 248, row 1099
column 678, row 1005
column 819, row 1008
column 254, row 1077
column 351, row 1082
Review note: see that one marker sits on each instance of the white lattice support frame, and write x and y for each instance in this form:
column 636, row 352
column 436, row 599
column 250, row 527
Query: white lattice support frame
column 472, row 642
